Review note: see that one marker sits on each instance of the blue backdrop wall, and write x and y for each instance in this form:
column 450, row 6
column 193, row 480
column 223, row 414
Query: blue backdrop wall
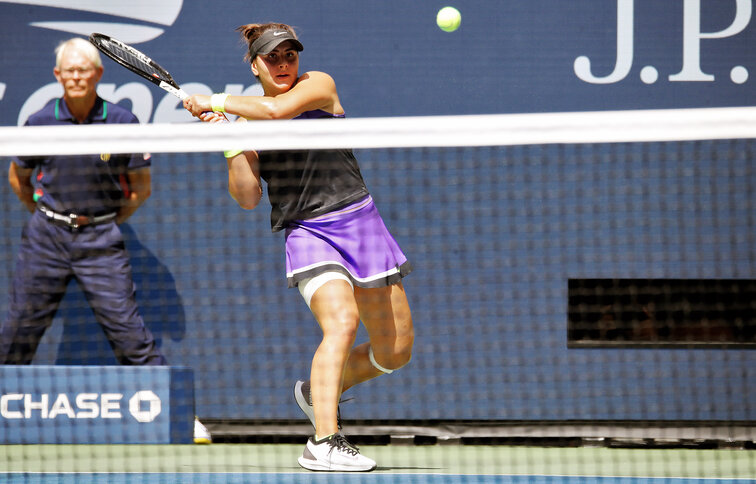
column 493, row 235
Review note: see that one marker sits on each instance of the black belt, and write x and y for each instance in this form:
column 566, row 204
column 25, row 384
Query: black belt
column 73, row 220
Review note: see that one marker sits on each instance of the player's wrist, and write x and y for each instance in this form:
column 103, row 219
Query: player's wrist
column 232, row 153
column 218, row 102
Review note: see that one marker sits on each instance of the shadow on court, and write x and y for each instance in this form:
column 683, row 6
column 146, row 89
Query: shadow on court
column 83, row 342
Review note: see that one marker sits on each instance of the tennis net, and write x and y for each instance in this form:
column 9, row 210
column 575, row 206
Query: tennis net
column 588, row 275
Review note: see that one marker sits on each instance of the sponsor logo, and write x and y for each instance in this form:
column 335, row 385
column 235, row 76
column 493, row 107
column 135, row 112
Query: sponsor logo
column 142, row 20
column 148, row 13
column 138, row 402
column 168, row 109
column 144, row 406
column 692, row 38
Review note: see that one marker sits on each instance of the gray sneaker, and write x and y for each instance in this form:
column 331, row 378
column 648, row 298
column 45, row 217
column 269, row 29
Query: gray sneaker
column 303, row 396
column 334, row 453
column 304, row 399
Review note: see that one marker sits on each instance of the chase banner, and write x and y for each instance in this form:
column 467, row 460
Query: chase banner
column 96, row 405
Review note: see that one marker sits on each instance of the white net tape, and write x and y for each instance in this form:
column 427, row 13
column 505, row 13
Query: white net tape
column 400, row 132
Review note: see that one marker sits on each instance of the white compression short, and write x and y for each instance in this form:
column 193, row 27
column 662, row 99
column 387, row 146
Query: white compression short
column 307, row 287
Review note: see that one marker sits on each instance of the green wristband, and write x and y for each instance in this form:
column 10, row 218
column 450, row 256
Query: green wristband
column 218, row 102
column 232, row 153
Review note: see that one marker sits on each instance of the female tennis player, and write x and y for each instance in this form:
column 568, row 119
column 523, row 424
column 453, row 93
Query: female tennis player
column 339, row 253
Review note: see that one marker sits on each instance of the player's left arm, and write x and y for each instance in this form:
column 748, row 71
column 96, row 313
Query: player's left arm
column 140, row 189
column 244, row 183
column 313, row 90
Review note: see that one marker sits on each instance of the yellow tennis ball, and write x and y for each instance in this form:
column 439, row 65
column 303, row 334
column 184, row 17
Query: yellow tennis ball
column 448, row 19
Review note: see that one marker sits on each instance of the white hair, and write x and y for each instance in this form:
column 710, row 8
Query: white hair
column 83, row 46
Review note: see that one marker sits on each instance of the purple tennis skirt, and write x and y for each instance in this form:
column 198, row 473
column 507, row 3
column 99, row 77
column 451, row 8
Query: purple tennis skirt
column 352, row 240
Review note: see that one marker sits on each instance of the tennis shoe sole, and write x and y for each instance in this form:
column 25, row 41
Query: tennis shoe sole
column 303, row 400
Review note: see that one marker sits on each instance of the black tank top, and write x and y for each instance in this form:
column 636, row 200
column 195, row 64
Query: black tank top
column 307, row 183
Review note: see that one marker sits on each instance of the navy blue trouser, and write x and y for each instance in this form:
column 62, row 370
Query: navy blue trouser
column 50, row 255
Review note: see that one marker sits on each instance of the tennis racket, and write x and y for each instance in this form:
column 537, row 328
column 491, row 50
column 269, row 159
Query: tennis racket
column 137, row 62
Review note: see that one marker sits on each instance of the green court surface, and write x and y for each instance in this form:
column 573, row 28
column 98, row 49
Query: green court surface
column 251, row 459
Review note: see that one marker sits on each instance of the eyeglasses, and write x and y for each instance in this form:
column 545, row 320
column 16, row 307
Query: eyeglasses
column 83, row 72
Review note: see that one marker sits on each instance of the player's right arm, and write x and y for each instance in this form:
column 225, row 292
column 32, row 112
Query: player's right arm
column 20, row 181
column 313, row 90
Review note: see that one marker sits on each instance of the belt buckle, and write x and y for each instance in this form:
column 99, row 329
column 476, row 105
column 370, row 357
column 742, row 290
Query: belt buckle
column 73, row 223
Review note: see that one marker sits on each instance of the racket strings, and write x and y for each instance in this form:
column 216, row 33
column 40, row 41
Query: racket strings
column 134, row 60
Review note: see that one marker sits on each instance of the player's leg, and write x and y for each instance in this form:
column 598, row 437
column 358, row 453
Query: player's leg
column 103, row 269
column 387, row 317
column 39, row 283
column 335, row 309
